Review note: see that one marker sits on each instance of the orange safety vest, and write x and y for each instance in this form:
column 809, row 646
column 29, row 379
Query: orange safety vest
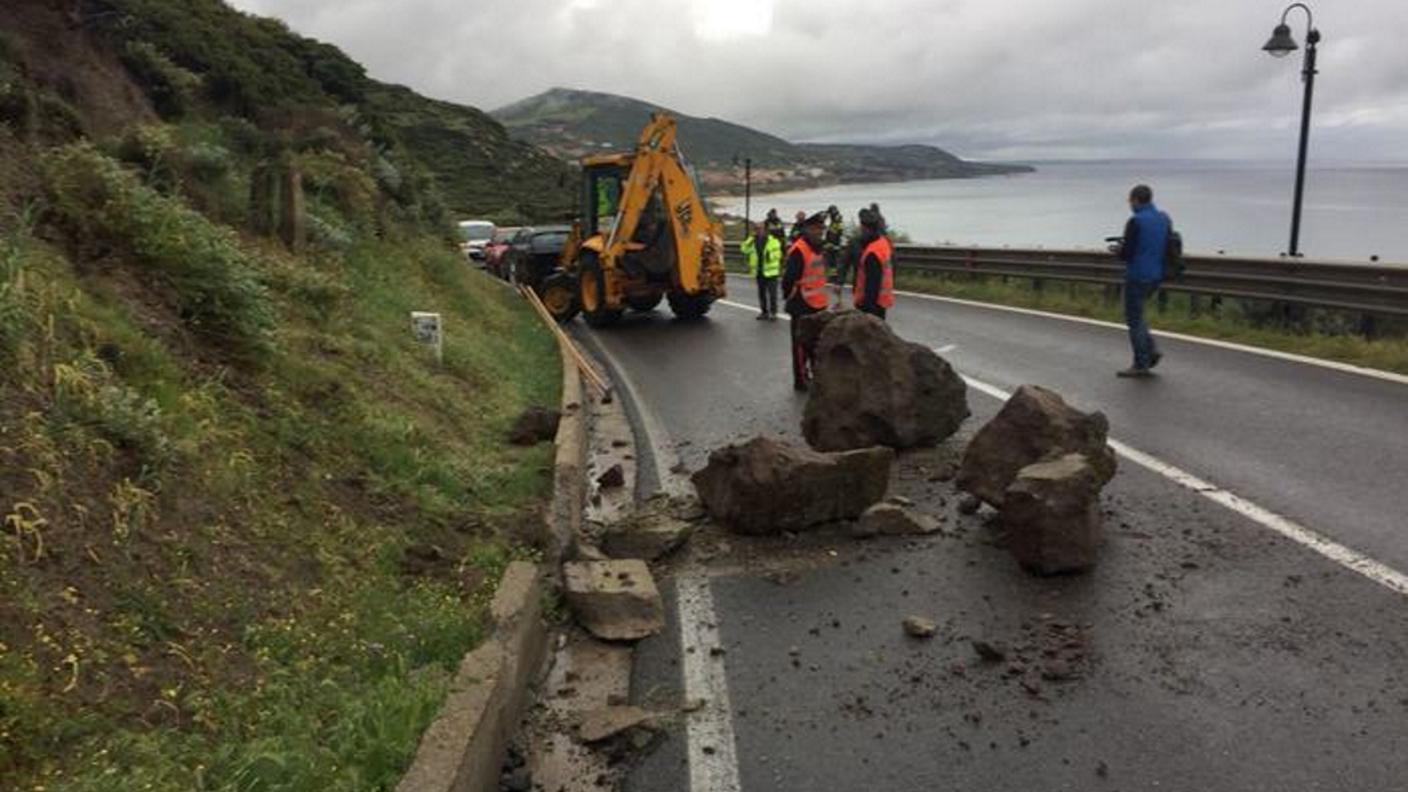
column 812, row 284
column 881, row 249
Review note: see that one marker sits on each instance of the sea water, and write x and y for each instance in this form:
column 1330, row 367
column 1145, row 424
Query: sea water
column 1353, row 211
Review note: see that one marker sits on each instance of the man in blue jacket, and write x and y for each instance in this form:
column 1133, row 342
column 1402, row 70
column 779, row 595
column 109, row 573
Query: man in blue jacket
column 1143, row 250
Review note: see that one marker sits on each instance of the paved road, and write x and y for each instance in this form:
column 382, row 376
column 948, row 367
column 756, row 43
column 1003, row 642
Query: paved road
column 1215, row 654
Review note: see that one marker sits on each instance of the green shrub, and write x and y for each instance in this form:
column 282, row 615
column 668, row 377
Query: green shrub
column 171, row 88
column 218, row 291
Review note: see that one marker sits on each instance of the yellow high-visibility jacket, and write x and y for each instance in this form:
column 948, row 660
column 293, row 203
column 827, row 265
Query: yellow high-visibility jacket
column 772, row 256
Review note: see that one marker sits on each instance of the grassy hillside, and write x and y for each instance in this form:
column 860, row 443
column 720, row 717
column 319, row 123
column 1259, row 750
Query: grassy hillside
column 247, row 525
column 573, row 123
column 256, row 69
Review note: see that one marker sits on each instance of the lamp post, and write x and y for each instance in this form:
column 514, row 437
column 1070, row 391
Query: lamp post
column 747, row 193
column 1281, row 44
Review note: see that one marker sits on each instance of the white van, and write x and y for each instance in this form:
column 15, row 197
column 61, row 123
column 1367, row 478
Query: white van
column 474, row 235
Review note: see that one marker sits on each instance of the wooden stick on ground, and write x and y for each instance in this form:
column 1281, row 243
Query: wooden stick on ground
column 588, row 370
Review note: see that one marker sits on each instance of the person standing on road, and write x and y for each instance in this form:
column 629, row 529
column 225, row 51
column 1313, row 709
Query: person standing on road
column 763, row 253
column 874, row 290
column 804, row 283
column 796, row 232
column 1143, row 249
column 773, row 223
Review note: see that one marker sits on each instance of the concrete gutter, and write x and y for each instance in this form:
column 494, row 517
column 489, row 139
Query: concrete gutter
column 463, row 750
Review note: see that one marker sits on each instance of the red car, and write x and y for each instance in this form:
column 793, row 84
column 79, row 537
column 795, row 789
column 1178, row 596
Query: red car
column 495, row 260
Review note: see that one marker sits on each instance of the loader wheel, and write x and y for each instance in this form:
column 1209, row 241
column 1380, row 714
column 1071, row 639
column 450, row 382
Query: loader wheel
column 645, row 303
column 559, row 295
column 592, row 289
column 690, row 306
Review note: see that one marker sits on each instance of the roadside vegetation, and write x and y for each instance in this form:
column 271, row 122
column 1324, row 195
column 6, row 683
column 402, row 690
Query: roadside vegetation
column 248, row 525
column 1330, row 335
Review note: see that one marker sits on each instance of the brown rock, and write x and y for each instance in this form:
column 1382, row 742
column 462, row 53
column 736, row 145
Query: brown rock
column 767, row 486
column 890, row 519
column 1035, row 424
column 1052, row 515
column 870, row 387
column 604, row 723
column 652, row 532
column 919, row 627
column 534, row 425
column 614, row 600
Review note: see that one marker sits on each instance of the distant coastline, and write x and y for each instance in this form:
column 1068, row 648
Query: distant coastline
column 773, row 187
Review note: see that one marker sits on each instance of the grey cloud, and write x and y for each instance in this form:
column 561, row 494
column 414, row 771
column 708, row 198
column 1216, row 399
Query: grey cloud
column 995, row 78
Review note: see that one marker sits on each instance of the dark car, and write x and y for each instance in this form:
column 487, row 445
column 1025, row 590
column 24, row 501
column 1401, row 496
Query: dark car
column 534, row 253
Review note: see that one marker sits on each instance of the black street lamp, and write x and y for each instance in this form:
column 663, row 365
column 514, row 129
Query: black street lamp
column 1281, row 44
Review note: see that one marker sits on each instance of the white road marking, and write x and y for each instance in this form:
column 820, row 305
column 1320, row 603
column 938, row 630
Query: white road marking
column 945, row 349
column 1349, row 368
column 1346, row 557
column 713, row 760
column 711, row 744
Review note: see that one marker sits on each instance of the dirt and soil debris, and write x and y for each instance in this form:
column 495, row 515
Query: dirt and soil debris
column 534, row 425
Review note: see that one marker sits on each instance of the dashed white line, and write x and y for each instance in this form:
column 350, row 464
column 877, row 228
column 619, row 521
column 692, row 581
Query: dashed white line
column 1346, row 557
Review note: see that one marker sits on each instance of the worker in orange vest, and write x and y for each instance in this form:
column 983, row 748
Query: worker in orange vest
column 874, row 290
column 804, row 283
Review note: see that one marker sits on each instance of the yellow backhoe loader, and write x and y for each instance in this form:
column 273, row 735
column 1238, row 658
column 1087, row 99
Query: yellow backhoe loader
column 645, row 235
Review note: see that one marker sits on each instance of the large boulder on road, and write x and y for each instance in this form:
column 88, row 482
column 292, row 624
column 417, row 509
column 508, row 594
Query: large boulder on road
column 766, row 486
column 1034, row 425
column 870, row 387
column 1051, row 513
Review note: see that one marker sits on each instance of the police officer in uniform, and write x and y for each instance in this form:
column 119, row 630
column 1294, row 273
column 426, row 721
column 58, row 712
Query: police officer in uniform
column 874, row 290
column 804, row 283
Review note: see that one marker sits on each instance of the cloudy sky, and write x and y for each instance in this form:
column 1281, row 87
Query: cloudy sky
column 985, row 78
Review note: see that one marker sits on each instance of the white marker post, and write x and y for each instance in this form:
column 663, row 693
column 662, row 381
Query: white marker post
column 427, row 329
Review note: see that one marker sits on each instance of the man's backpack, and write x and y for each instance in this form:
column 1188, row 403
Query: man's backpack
column 1173, row 254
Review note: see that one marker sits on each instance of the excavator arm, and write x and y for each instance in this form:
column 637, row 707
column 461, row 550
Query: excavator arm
column 698, row 239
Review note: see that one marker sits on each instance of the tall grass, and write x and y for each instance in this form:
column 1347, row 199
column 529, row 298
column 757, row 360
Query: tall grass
column 214, row 279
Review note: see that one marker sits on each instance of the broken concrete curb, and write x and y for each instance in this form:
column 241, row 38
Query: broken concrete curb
column 569, row 475
column 462, row 749
column 614, row 600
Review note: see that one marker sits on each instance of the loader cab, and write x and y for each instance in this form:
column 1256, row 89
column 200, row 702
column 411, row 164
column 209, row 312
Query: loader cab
column 602, row 185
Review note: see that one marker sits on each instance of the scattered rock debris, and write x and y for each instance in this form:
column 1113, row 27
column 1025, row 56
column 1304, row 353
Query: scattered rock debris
column 1052, row 516
column 919, row 627
column 534, row 425
column 871, row 387
column 767, row 486
column 614, row 600
column 890, row 519
column 1034, row 425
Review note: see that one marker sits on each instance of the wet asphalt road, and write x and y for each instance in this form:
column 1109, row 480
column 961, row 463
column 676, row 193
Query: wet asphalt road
column 1204, row 653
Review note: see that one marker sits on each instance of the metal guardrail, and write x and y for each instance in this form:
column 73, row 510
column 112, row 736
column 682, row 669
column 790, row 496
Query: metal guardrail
column 1372, row 289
